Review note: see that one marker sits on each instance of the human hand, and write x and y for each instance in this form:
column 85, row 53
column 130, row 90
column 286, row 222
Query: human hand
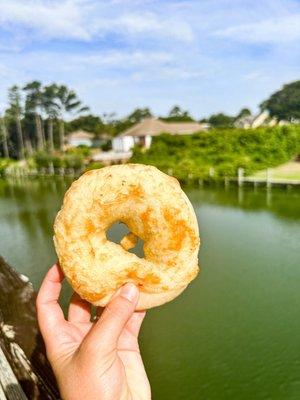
column 93, row 360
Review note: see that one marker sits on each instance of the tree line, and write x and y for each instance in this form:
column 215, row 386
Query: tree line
column 35, row 119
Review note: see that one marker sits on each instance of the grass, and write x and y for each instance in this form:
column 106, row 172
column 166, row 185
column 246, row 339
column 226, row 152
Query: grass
column 288, row 171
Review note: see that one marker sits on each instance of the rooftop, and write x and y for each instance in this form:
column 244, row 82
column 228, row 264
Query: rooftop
column 154, row 127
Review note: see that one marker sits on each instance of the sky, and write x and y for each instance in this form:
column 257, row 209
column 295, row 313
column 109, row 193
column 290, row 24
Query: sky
column 206, row 56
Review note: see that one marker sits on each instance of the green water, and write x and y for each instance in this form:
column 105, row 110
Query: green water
column 234, row 334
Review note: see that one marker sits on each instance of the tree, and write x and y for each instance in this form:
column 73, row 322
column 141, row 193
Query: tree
column 245, row 112
column 33, row 104
column 51, row 108
column 135, row 117
column 138, row 114
column 67, row 102
column 221, row 120
column 4, row 137
column 285, row 103
column 89, row 123
column 176, row 114
column 15, row 112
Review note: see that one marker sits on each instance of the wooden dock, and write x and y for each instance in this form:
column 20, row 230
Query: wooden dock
column 24, row 369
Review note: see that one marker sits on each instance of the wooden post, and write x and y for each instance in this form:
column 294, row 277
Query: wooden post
column 200, row 182
column 211, row 172
column 170, row 171
column 8, row 380
column 240, row 176
column 226, row 181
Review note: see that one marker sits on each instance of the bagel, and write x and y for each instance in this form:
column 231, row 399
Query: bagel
column 154, row 208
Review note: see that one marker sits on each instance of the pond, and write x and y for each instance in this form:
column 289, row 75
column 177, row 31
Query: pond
column 234, row 334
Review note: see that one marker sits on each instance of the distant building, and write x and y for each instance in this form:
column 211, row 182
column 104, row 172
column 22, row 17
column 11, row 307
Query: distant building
column 80, row 137
column 141, row 133
column 255, row 121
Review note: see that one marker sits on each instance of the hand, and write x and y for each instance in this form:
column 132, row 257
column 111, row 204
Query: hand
column 93, row 361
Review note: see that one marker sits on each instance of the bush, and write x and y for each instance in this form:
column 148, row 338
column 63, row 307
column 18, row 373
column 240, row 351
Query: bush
column 4, row 163
column 68, row 160
column 75, row 161
column 43, row 159
column 81, row 150
column 94, row 165
column 106, row 146
column 225, row 150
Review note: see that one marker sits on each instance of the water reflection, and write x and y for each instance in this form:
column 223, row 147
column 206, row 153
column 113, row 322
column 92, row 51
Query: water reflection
column 31, row 204
column 283, row 202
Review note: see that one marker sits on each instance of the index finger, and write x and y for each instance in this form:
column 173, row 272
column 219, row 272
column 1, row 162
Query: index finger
column 49, row 312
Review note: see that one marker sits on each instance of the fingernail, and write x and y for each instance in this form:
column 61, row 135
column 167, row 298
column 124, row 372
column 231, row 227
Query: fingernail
column 129, row 291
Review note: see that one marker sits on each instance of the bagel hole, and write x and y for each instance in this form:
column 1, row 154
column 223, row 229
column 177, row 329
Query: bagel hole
column 138, row 249
column 117, row 231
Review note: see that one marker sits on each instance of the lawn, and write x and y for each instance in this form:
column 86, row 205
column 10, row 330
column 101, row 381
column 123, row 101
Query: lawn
column 289, row 171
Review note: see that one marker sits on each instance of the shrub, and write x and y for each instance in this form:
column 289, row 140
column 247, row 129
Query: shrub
column 223, row 149
column 68, row 160
column 4, row 163
column 81, row 150
column 73, row 161
column 94, row 165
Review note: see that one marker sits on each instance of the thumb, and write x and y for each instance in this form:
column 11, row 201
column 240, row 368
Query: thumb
column 113, row 320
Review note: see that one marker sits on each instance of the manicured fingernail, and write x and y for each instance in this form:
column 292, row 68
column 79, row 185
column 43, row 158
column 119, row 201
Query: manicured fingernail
column 129, row 291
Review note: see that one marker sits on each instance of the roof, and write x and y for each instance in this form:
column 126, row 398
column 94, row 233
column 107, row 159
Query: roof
column 80, row 134
column 154, row 127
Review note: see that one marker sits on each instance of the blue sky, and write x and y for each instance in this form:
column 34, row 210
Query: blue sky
column 204, row 55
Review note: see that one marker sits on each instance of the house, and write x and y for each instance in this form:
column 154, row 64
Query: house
column 79, row 138
column 141, row 133
column 254, row 121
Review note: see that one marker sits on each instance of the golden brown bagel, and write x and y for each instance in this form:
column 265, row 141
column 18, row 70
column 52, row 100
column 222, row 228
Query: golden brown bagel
column 154, row 208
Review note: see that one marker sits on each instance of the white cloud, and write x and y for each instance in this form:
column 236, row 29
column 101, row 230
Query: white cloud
column 120, row 54
column 271, row 30
column 123, row 59
column 150, row 23
column 86, row 20
column 51, row 19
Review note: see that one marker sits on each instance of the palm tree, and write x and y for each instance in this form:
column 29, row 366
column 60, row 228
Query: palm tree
column 4, row 135
column 15, row 110
column 51, row 108
column 67, row 102
column 32, row 105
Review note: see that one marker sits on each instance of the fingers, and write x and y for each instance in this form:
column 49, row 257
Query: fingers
column 128, row 338
column 135, row 322
column 79, row 310
column 113, row 320
column 49, row 313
